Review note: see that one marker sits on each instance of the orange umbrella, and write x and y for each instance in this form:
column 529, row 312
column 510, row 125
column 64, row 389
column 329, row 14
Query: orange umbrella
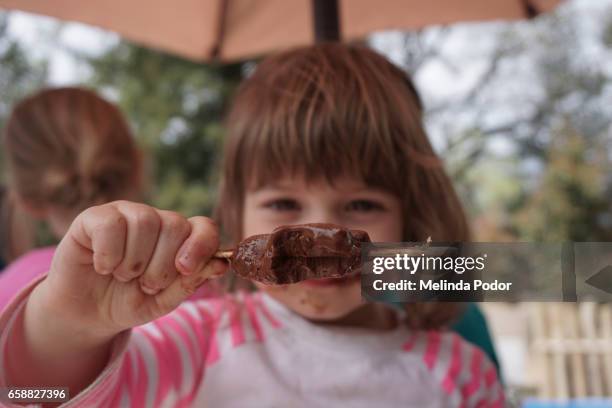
column 229, row 30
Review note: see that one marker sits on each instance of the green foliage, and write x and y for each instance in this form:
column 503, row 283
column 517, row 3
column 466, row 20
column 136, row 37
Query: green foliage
column 569, row 202
column 176, row 108
column 19, row 75
column 553, row 182
column 569, row 136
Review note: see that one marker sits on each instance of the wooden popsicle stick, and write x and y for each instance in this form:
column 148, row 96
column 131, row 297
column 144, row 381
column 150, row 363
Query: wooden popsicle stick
column 228, row 253
column 224, row 254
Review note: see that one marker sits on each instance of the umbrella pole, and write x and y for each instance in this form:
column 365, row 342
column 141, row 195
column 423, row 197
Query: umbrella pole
column 531, row 10
column 326, row 19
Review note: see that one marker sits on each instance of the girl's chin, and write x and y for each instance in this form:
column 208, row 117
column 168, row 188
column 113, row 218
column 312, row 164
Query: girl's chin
column 329, row 300
column 331, row 282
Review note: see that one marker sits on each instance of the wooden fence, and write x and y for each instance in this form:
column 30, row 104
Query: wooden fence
column 570, row 349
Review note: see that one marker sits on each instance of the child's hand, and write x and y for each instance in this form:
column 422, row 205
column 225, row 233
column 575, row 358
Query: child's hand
column 124, row 264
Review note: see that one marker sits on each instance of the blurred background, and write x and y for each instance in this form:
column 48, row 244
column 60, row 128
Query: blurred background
column 521, row 112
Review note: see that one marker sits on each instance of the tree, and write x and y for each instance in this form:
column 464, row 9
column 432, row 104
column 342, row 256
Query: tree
column 571, row 201
column 19, row 75
column 176, row 108
column 542, row 93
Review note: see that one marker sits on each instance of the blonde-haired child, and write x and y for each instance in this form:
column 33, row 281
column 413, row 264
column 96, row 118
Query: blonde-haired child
column 328, row 133
column 65, row 149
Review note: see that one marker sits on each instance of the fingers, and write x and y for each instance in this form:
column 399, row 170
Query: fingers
column 182, row 288
column 143, row 228
column 131, row 240
column 102, row 229
column 183, row 246
column 161, row 270
column 199, row 247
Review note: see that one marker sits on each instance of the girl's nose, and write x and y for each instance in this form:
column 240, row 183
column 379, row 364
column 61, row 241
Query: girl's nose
column 323, row 215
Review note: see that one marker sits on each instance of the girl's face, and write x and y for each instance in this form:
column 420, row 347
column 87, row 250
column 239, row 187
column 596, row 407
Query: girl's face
column 349, row 203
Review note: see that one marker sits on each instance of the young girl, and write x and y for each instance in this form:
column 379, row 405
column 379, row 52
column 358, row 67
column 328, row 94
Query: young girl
column 66, row 149
column 329, row 133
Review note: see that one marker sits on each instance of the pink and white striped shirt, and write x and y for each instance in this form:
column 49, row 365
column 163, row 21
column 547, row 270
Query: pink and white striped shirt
column 37, row 262
column 251, row 351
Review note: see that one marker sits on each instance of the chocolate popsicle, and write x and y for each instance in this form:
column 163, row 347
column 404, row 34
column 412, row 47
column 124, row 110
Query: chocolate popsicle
column 294, row 253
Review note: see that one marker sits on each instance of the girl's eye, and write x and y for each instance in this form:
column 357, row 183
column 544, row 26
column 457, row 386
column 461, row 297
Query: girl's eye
column 284, row 204
column 364, row 206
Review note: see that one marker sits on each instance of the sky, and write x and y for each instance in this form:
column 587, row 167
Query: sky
column 49, row 38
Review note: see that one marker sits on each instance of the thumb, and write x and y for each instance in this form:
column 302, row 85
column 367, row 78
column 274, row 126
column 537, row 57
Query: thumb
column 185, row 286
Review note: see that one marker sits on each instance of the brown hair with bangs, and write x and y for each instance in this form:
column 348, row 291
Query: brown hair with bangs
column 335, row 109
